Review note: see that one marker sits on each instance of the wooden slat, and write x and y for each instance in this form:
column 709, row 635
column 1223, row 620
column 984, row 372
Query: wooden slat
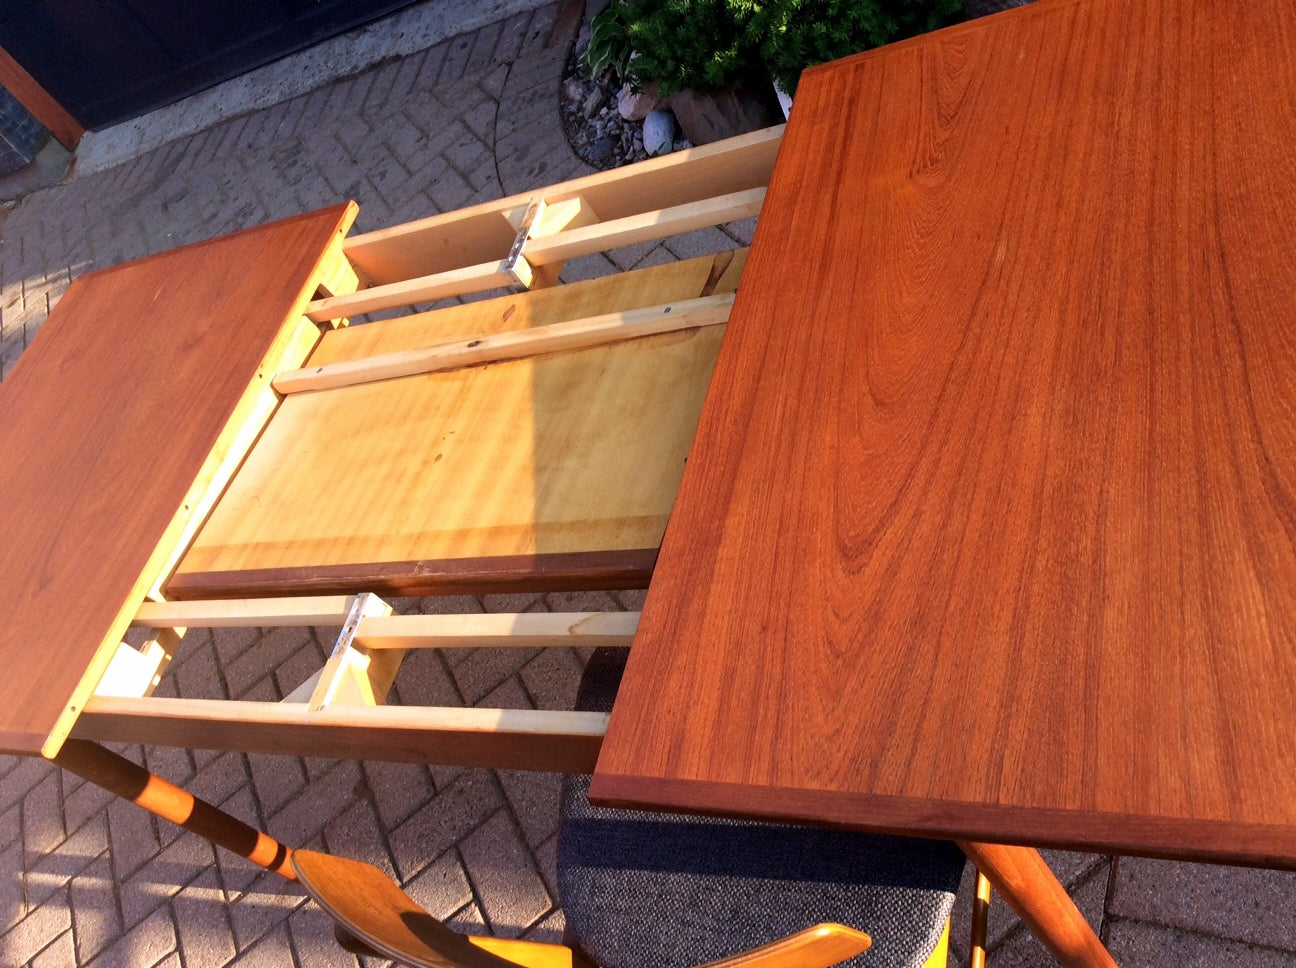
column 407, row 292
column 352, row 676
column 522, row 630
column 505, row 739
column 427, row 245
column 105, row 465
column 486, row 348
column 1015, row 451
column 644, row 226
column 236, row 613
column 532, row 471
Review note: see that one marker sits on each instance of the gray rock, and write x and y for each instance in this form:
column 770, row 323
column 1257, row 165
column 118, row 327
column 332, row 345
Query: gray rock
column 601, row 150
column 635, row 105
column 574, row 90
column 659, row 132
column 594, row 101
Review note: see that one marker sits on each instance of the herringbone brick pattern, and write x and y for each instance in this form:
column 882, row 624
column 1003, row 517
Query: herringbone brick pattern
column 86, row 879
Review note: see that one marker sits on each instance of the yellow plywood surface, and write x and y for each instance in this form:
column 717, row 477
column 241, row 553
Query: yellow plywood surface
column 554, row 457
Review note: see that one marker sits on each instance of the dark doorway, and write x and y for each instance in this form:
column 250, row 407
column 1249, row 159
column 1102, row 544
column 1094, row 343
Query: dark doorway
column 108, row 60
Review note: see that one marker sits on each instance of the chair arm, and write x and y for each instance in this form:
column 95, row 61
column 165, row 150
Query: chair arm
column 817, row 947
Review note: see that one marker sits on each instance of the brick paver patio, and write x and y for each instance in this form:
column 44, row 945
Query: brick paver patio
column 88, row 880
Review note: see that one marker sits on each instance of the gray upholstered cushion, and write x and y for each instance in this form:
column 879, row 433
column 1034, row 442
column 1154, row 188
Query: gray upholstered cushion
column 663, row 890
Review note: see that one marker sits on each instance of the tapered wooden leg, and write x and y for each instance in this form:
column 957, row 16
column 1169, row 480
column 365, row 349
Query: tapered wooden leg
column 1032, row 890
column 131, row 781
column 980, row 919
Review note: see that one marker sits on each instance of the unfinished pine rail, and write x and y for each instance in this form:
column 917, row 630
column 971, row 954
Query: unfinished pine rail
column 340, row 710
column 522, row 241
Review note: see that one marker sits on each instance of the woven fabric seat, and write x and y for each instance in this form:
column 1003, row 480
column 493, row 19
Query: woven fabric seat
column 646, row 890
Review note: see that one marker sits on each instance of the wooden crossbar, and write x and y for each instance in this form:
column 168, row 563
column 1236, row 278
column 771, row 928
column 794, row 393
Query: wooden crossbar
column 439, row 285
column 524, row 630
column 511, row 739
column 244, row 612
column 644, row 226
column 490, row 348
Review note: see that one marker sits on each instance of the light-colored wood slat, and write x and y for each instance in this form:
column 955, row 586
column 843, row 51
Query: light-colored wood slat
column 92, row 420
column 352, row 676
column 245, row 612
column 135, row 672
column 644, row 226
column 511, row 739
column 453, row 282
column 428, row 245
column 521, row 630
column 568, row 213
column 305, row 690
column 486, row 475
column 488, row 348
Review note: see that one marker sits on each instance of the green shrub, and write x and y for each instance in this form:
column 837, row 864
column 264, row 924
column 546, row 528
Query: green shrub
column 795, row 34
column 711, row 45
column 609, row 45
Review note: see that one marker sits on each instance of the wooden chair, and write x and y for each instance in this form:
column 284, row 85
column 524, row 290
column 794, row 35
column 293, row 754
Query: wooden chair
column 645, row 889
column 375, row 917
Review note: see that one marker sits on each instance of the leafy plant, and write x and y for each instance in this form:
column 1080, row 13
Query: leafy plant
column 792, row 35
column 711, row 45
column 609, row 45
column 703, row 45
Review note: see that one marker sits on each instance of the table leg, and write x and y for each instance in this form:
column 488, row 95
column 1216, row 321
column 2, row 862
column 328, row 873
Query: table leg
column 1032, row 890
column 131, row 781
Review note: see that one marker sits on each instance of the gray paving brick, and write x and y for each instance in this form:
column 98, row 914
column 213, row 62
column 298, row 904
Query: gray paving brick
column 10, row 825
column 358, row 832
column 13, row 895
column 42, row 816
column 446, row 819
column 311, row 933
column 36, row 931
column 59, row 953
column 96, row 916
column 398, row 789
column 456, row 59
column 1230, row 902
column 184, row 860
column 205, row 938
column 485, row 670
column 263, row 908
column 49, row 872
column 276, row 780
column 318, row 803
column 548, row 930
column 533, row 797
column 1153, row 946
column 442, row 887
column 551, row 678
column 430, row 70
column 509, row 890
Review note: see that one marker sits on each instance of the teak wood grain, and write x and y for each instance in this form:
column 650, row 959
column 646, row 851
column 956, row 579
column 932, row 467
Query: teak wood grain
column 126, row 399
column 989, row 527
column 556, row 471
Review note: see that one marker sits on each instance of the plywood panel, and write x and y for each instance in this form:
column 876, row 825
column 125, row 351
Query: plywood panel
column 553, row 471
column 989, row 528
column 128, row 396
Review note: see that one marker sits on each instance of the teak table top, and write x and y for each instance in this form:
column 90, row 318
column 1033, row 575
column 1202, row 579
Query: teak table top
column 989, row 528
column 118, row 410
